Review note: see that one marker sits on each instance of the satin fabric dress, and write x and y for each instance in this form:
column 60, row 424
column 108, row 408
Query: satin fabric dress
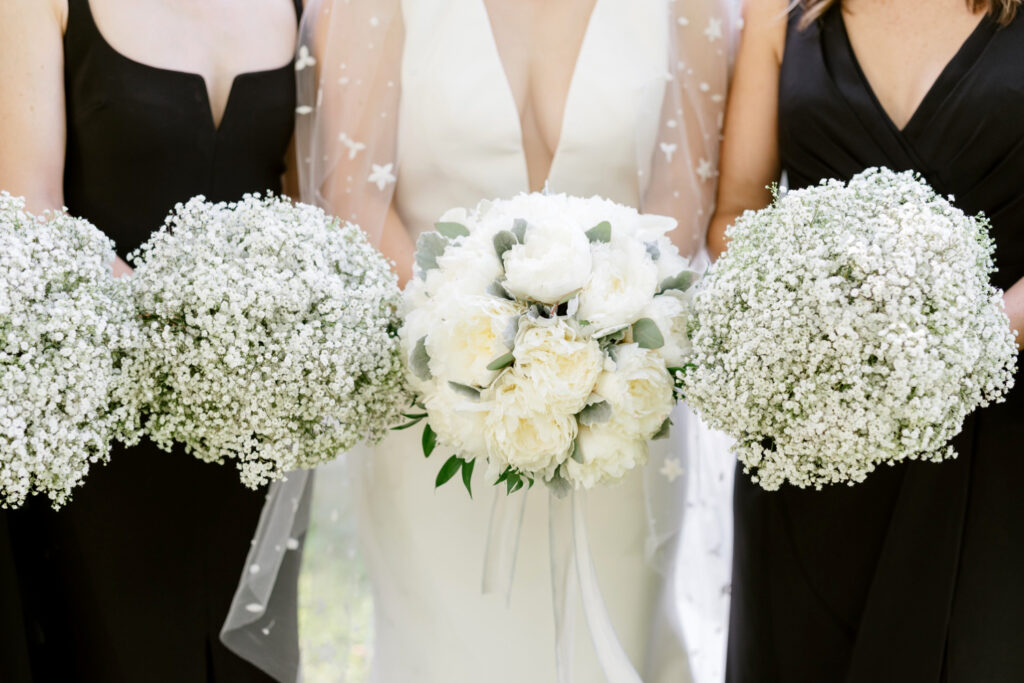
column 131, row 581
column 917, row 574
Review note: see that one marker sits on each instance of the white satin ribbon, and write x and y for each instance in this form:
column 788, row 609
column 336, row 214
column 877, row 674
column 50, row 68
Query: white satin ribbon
column 569, row 546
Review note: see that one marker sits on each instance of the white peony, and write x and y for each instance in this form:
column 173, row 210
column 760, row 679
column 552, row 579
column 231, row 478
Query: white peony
column 553, row 263
column 458, row 421
column 639, row 391
column 522, row 433
column 606, row 454
column 671, row 313
column 556, row 365
column 623, row 281
column 468, row 333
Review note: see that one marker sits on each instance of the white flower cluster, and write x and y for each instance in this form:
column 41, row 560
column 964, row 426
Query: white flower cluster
column 268, row 336
column 539, row 332
column 64, row 325
column 848, row 326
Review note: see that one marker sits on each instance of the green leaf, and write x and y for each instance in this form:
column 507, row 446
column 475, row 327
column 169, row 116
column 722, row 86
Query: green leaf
column 576, row 454
column 517, row 485
column 683, row 281
column 465, row 390
column 653, row 250
column 414, row 416
column 662, row 432
column 405, row 426
column 448, row 470
column 496, row 289
column 504, row 241
column 602, row 232
column 429, row 441
column 501, row 361
column 595, row 413
column 429, row 246
column 419, row 361
column 559, row 486
column 519, row 229
column 451, row 230
column 647, row 335
column 614, row 337
column 467, row 475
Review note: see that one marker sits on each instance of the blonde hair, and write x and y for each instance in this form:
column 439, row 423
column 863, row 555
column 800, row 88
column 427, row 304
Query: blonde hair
column 1002, row 11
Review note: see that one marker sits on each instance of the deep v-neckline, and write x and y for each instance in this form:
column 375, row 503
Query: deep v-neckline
column 944, row 84
column 510, row 98
column 216, row 123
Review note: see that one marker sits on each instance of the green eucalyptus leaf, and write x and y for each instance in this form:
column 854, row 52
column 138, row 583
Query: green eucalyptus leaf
column 429, row 246
column 419, row 361
column 496, row 289
column 653, row 250
column 682, row 282
column 429, row 441
column 576, row 454
column 559, row 486
column 501, row 362
column 467, row 475
column 602, row 232
column 451, row 229
column 595, row 413
column 448, row 470
column 465, row 390
column 519, row 229
column 504, row 241
column 647, row 335
column 663, row 430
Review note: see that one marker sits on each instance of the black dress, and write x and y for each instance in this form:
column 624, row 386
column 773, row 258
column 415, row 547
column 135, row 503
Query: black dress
column 132, row 580
column 917, row 574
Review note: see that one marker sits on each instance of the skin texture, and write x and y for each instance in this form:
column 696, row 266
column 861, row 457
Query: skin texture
column 538, row 42
column 920, row 35
column 217, row 39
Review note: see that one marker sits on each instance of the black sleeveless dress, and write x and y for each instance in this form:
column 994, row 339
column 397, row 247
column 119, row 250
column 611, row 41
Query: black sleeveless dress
column 916, row 575
column 132, row 580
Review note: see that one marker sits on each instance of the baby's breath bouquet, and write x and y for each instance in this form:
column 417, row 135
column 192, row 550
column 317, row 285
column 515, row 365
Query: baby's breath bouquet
column 849, row 325
column 64, row 327
column 268, row 336
column 540, row 333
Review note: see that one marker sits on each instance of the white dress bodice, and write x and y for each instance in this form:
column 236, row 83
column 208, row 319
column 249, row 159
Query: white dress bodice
column 460, row 141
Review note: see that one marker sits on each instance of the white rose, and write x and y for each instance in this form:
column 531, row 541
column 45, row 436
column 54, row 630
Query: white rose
column 639, row 391
column 468, row 333
column 607, row 455
column 559, row 367
column 671, row 313
column 458, row 421
column 623, row 281
column 652, row 227
column 554, row 262
column 469, row 266
column 520, row 433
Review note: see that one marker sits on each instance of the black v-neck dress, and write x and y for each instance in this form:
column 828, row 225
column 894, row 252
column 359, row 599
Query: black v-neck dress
column 131, row 582
column 917, row 574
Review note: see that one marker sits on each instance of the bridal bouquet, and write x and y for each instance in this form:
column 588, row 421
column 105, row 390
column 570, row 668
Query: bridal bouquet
column 268, row 336
column 541, row 333
column 848, row 326
column 64, row 326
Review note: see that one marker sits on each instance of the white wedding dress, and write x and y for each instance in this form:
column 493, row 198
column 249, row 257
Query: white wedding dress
column 458, row 140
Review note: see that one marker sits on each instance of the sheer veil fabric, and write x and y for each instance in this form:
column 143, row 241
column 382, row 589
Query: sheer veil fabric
column 350, row 66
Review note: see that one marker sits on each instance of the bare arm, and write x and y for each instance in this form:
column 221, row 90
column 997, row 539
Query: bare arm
column 397, row 245
column 750, row 148
column 1014, row 299
column 33, row 130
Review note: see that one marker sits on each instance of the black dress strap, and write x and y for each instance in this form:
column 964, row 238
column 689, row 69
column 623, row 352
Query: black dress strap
column 298, row 9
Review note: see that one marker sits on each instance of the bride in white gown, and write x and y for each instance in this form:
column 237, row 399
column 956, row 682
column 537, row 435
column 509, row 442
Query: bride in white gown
column 407, row 109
